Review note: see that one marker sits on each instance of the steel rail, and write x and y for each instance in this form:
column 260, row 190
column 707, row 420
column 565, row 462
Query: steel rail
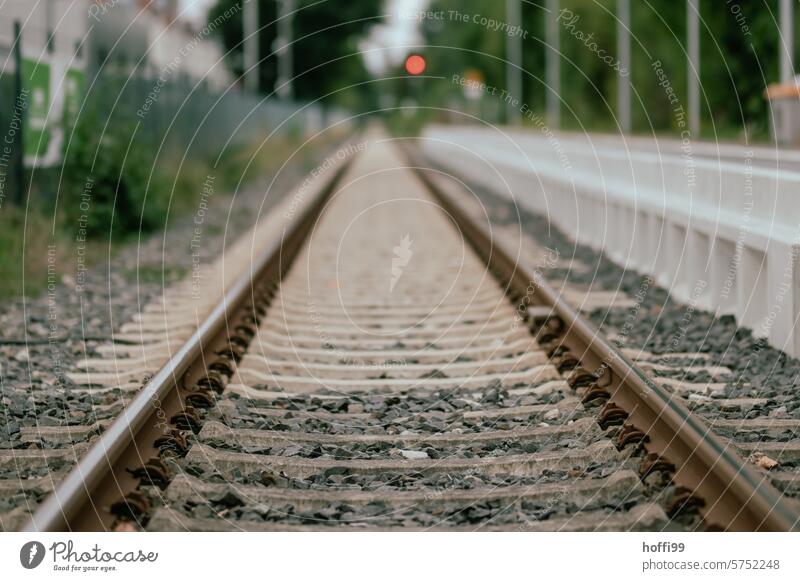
column 736, row 497
column 71, row 506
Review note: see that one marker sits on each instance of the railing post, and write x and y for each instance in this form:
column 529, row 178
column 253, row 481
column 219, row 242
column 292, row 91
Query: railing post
column 623, row 76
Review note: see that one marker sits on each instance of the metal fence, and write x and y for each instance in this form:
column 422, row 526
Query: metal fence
column 177, row 115
column 186, row 117
column 10, row 153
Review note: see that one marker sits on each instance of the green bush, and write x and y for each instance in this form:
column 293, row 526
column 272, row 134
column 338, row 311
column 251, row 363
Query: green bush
column 105, row 185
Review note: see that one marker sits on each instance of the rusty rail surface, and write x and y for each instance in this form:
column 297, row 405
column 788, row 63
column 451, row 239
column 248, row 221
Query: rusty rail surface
column 103, row 485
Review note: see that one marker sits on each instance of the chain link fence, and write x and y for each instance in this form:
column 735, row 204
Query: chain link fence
column 164, row 116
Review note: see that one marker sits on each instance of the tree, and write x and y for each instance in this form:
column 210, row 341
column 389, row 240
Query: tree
column 325, row 33
column 231, row 33
column 739, row 56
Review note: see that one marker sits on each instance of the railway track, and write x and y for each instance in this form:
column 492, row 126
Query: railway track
column 387, row 364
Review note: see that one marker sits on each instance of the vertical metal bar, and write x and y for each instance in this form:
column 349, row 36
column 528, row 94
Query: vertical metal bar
column 693, row 71
column 19, row 164
column 624, row 74
column 553, row 65
column 787, row 40
column 514, row 60
column 784, row 115
column 250, row 48
column 284, row 49
column 49, row 19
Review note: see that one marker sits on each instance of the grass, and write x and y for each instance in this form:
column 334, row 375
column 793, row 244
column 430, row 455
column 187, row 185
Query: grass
column 28, row 246
column 155, row 274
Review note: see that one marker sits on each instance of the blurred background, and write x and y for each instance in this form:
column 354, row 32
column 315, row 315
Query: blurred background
column 133, row 100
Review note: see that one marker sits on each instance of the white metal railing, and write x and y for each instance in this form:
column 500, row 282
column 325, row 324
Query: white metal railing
column 719, row 230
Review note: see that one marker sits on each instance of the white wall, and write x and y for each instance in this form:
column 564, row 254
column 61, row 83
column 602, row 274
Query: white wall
column 724, row 235
column 69, row 22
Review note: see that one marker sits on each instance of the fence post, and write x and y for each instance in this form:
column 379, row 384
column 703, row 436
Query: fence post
column 20, row 161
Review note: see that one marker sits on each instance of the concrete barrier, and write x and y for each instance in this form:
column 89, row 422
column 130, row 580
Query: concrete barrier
column 719, row 231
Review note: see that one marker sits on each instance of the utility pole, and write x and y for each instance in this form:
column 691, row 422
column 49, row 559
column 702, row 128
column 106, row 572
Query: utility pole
column 624, row 52
column 514, row 60
column 283, row 48
column 693, row 73
column 19, row 165
column 783, row 110
column 553, row 65
column 51, row 35
column 787, row 40
column 250, row 45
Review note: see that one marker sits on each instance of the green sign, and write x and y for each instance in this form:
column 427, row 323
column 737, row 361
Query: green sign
column 73, row 92
column 36, row 80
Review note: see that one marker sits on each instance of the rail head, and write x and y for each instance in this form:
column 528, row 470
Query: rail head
column 71, row 495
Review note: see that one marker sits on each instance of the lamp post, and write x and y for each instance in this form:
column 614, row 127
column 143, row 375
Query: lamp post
column 624, row 52
column 514, row 60
column 787, row 40
column 693, row 72
column 553, row 65
column 283, row 48
column 250, row 45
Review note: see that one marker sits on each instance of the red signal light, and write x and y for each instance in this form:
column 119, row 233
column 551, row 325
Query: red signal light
column 415, row 64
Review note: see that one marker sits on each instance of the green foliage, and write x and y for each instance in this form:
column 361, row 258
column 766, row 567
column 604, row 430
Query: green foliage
column 736, row 65
column 325, row 33
column 739, row 57
column 105, row 183
column 658, row 35
column 456, row 46
column 588, row 83
column 231, row 32
column 405, row 123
